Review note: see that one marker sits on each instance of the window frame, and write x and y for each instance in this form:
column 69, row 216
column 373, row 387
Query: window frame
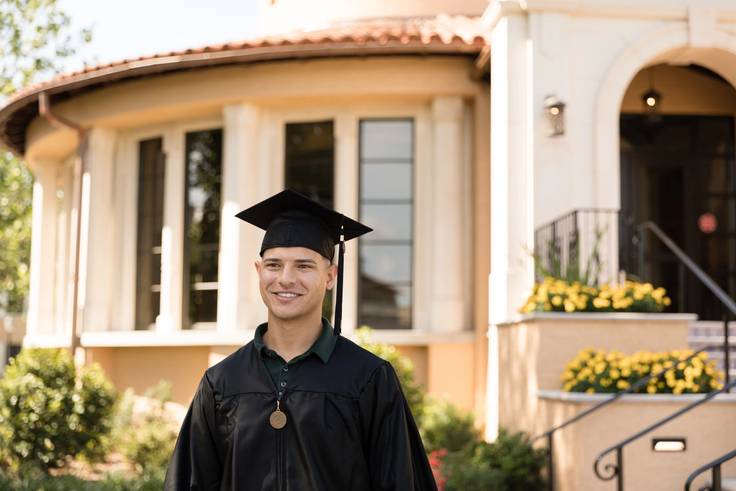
column 413, row 215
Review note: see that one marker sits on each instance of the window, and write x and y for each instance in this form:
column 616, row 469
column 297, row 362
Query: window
column 203, row 160
column 151, row 167
column 386, row 205
column 310, row 168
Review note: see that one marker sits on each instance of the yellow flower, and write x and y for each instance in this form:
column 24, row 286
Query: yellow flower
column 622, row 384
column 557, row 300
column 590, row 390
column 614, row 373
column 601, row 303
column 651, row 389
column 569, row 306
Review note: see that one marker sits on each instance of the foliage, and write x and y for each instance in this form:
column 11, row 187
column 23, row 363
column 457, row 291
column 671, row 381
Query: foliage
column 34, row 40
column 598, row 371
column 404, row 368
column 459, row 458
column 510, row 463
column 146, row 441
column 445, row 427
column 555, row 295
column 37, row 481
column 50, row 412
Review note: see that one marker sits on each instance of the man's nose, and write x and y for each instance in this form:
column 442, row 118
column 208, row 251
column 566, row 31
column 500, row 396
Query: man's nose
column 287, row 276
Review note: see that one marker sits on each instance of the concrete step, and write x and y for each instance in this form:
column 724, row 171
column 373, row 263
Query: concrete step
column 729, row 484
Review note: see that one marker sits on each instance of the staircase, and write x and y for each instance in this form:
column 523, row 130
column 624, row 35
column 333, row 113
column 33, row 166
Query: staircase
column 709, row 333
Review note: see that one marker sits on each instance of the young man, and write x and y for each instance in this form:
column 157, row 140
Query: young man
column 300, row 407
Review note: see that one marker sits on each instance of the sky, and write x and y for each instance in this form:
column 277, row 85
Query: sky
column 131, row 28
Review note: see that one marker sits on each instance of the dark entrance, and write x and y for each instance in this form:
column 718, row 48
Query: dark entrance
column 680, row 173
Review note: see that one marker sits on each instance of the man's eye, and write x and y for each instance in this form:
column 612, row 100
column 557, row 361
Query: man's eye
column 272, row 266
column 305, row 266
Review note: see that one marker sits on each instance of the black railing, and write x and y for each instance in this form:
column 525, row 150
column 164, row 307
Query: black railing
column 579, row 246
column 561, row 248
column 728, row 303
column 549, row 434
column 617, row 470
column 716, row 480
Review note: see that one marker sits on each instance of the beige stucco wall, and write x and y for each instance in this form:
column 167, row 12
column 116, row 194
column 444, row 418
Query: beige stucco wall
column 203, row 93
column 533, row 352
column 577, row 446
column 444, row 369
column 683, row 91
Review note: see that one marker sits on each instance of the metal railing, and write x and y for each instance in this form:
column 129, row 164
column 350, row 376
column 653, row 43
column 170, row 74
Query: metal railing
column 617, row 470
column 716, row 481
column 549, row 434
column 729, row 304
column 560, row 246
column 579, row 246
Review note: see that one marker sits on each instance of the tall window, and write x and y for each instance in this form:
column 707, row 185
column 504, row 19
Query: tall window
column 150, row 222
column 202, row 225
column 310, row 168
column 386, row 205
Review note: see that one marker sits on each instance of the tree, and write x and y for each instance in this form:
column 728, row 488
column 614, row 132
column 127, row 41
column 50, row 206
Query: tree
column 35, row 36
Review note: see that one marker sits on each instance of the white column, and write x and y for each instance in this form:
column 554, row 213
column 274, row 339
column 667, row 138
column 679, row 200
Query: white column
column 96, row 259
column 449, row 294
column 172, row 235
column 346, row 202
column 41, row 295
column 511, row 214
column 239, row 303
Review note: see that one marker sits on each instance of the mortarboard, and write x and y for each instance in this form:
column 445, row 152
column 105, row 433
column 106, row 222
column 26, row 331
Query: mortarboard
column 291, row 219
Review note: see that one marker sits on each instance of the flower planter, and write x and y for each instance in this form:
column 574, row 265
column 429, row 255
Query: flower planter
column 534, row 349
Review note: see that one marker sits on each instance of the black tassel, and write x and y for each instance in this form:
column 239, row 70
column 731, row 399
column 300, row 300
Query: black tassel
column 338, row 301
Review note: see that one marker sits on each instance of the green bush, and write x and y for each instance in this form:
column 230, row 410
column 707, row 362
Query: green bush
column 147, row 441
column 404, row 368
column 508, row 464
column 50, row 411
column 444, row 426
column 36, row 481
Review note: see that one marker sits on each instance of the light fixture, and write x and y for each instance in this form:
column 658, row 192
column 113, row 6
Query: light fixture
column 554, row 110
column 652, row 99
column 676, row 444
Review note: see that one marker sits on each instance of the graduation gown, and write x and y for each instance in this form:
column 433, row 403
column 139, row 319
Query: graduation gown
column 348, row 428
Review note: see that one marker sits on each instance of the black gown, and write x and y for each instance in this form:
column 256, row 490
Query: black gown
column 348, row 428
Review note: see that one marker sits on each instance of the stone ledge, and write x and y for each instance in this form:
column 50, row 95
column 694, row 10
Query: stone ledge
column 580, row 398
column 602, row 316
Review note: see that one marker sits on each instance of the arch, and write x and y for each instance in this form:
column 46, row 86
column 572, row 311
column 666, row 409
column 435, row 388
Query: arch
column 657, row 47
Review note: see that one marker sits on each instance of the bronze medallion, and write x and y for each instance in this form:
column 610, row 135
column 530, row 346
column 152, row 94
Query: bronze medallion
column 277, row 419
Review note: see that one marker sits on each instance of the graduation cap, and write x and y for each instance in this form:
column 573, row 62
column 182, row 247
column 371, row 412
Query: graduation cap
column 290, row 219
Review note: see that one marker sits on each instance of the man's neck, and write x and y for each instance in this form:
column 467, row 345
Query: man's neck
column 292, row 337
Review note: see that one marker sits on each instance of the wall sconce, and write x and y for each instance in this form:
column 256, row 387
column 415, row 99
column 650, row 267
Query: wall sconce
column 554, row 110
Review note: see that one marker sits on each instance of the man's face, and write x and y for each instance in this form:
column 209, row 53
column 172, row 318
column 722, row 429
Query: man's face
column 293, row 281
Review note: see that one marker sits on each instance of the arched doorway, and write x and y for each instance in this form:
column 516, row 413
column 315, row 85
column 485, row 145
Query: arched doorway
column 678, row 169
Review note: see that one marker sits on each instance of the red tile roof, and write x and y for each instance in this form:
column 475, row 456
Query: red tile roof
column 434, row 35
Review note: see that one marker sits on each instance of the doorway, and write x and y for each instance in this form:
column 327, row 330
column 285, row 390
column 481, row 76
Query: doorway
column 679, row 172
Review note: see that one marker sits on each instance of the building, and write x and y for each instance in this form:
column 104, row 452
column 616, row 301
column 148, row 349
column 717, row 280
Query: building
column 428, row 120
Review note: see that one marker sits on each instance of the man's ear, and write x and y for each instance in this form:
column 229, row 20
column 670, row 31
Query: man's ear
column 257, row 264
column 331, row 276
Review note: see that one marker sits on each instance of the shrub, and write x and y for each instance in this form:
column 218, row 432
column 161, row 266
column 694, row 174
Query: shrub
column 35, row 481
column 404, row 368
column 50, row 411
column 508, row 464
column 445, row 427
column 598, row 371
column 146, row 440
column 555, row 295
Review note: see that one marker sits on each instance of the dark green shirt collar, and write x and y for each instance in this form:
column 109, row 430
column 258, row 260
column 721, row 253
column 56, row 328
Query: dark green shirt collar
column 322, row 347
